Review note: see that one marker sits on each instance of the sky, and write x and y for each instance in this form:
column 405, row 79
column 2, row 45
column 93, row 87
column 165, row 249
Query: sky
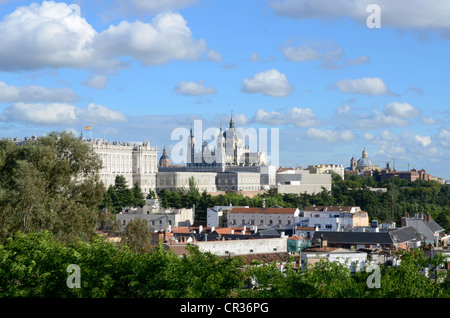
column 331, row 76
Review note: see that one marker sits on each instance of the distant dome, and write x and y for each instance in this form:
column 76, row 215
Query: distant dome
column 164, row 160
column 365, row 162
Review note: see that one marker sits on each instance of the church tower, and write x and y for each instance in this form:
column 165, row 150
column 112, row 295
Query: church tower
column 190, row 149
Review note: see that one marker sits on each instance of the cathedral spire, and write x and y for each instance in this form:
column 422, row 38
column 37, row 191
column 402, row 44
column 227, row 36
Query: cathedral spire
column 231, row 120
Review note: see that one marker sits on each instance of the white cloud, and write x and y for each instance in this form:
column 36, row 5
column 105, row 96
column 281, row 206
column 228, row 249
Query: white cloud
column 393, row 114
column 214, row 56
column 362, row 59
column 428, row 120
column 301, row 53
column 330, row 135
column 424, row 140
column 329, row 53
column 97, row 81
column 166, row 38
column 47, row 114
column 60, row 114
column 99, row 114
column 401, row 110
column 416, row 14
column 270, row 82
column 300, row 117
column 153, row 6
column 54, row 35
column 193, row 89
column 444, row 137
column 34, row 93
column 343, row 110
column 49, row 35
column 366, row 86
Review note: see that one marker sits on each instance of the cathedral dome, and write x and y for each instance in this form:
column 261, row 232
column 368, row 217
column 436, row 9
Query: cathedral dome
column 164, row 160
column 365, row 162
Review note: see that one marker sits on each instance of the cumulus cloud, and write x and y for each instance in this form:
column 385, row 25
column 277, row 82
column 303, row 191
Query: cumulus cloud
column 300, row 117
column 424, row 140
column 54, row 35
column 49, row 35
column 428, row 120
column 166, row 38
column 401, row 110
column 330, row 135
column 417, row 14
column 365, row 86
column 60, row 113
column 329, row 53
column 194, row 89
column 270, row 83
column 34, row 93
column 393, row 114
column 99, row 114
column 96, row 81
column 47, row 114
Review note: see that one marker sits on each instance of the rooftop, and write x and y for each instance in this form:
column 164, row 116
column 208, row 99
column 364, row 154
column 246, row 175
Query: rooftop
column 264, row 210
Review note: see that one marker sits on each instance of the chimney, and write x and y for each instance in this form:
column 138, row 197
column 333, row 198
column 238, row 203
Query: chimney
column 429, row 217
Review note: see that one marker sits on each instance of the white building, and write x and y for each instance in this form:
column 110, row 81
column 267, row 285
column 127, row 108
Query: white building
column 265, row 218
column 327, row 168
column 244, row 247
column 217, row 216
column 158, row 218
column 301, row 181
column 172, row 180
column 135, row 162
column 238, row 181
column 332, row 218
column 354, row 260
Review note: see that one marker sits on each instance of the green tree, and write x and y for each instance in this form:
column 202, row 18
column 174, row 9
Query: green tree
column 139, row 199
column 50, row 183
column 137, row 236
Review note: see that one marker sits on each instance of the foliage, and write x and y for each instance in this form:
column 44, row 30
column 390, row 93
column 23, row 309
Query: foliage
column 35, row 265
column 50, row 183
column 120, row 195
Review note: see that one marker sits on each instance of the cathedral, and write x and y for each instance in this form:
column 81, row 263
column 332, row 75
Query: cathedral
column 229, row 151
column 364, row 166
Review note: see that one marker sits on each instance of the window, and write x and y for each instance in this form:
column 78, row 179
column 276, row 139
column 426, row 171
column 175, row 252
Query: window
column 271, row 222
column 243, row 221
column 289, row 222
column 261, row 222
column 328, row 226
column 279, row 222
column 160, row 222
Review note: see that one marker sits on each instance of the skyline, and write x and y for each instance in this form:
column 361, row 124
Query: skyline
column 137, row 70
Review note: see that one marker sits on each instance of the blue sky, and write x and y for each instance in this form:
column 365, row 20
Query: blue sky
column 136, row 70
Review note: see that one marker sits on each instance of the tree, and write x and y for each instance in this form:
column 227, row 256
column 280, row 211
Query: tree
column 139, row 199
column 137, row 236
column 122, row 196
column 50, row 183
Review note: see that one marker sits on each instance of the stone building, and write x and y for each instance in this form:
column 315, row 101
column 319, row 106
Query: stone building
column 158, row 218
column 135, row 162
column 300, row 181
